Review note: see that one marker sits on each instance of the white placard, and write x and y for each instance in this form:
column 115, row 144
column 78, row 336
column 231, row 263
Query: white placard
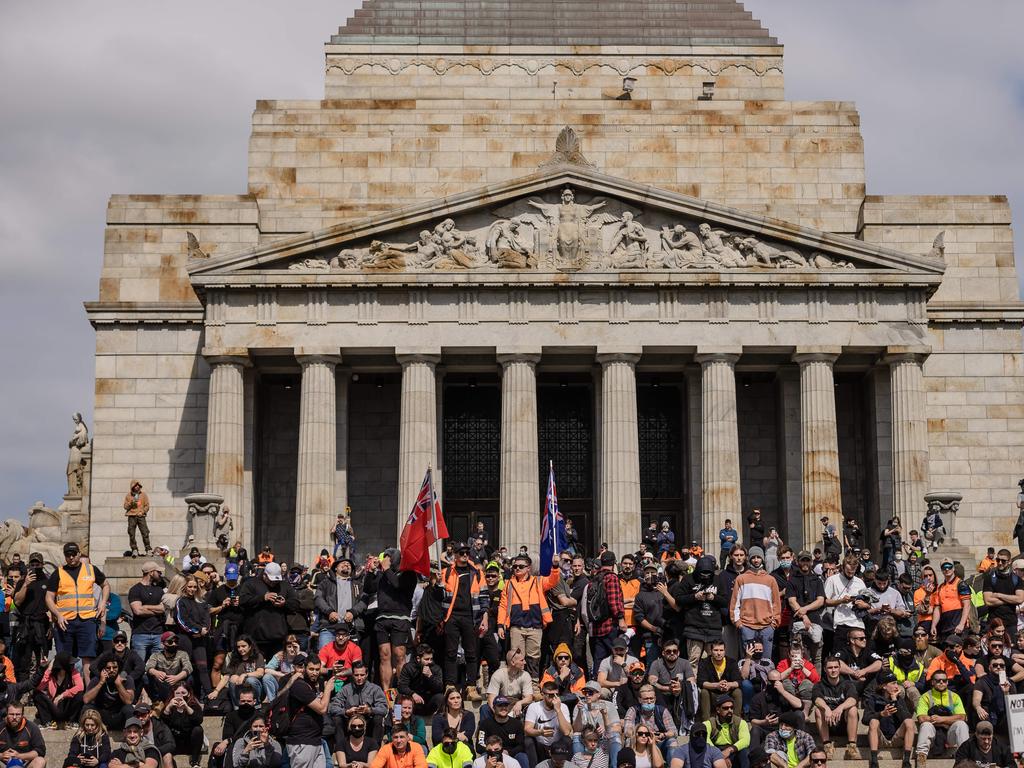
column 1015, row 711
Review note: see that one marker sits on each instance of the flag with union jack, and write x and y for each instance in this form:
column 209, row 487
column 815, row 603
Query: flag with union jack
column 423, row 527
column 552, row 527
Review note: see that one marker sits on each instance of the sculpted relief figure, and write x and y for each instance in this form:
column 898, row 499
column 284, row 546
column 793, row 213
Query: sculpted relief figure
column 569, row 220
column 504, row 247
column 458, row 249
column 682, row 249
column 713, row 242
column 79, row 440
column 629, row 247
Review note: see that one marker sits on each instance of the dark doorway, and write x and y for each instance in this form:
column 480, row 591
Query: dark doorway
column 660, row 431
column 855, row 451
column 471, row 444
column 277, row 464
column 566, row 437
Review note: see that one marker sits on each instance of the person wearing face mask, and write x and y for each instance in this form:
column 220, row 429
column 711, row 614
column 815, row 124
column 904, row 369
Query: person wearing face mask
column 700, row 605
column 147, row 610
column 891, row 718
column 166, row 668
column 908, row 670
column 649, row 612
column 450, row 752
column 768, row 707
column 805, row 594
column 493, row 755
column 236, row 724
column 650, row 716
column 754, row 671
column 698, row 753
column 592, row 754
column 788, row 746
column 354, row 748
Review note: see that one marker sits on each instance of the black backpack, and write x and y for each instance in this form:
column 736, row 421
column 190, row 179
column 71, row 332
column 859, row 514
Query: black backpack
column 597, row 600
column 279, row 718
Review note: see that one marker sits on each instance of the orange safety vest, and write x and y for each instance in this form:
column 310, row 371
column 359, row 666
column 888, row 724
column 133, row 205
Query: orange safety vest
column 630, row 589
column 523, row 603
column 77, row 598
column 450, row 582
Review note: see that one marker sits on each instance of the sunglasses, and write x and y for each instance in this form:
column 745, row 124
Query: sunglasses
column 819, row 760
column 937, row 680
column 563, row 657
column 518, row 567
column 645, row 734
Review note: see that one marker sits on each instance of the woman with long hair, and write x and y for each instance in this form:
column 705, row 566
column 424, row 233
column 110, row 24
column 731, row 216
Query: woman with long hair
column 243, row 665
column 170, row 600
column 885, row 637
column 354, row 749
column 58, row 697
column 281, row 665
column 183, row 715
column 90, row 747
column 192, row 626
column 257, row 748
column 453, row 715
column 646, row 749
column 923, row 598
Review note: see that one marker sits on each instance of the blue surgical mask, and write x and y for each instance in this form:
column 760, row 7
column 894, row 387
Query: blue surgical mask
column 786, row 563
column 647, row 707
column 785, row 735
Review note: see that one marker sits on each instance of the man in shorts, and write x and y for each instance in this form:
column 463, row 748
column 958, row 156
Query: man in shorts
column 395, row 589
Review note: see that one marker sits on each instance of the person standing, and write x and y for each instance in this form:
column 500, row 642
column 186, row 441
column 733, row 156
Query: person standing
column 755, row 528
column 136, row 507
column 842, row 592
column 308, row 699
column 78, row 616
column 727, row 537
column 830, row 542
column 756, row 605
column 31, row 639
column 266, row 601
column 604, row 628
column 951, row 603
column 147, row 610
column 465, row 606
column 523, row 611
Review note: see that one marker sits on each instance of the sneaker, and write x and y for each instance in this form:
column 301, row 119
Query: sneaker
column 852, row 753
column 922, row 761
column 135, row 553
column 830, row 750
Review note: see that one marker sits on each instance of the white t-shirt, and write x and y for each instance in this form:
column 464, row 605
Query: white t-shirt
column 541, row 717
column 506, row 761
column 837, row 586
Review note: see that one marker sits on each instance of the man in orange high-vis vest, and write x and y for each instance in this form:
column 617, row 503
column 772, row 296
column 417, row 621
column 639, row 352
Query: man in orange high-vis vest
column 523, row 611
column 465, row 605
column 79, row 618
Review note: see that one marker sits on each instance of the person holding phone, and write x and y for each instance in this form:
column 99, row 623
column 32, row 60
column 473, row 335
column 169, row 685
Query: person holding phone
column 257, row 749
column 90, row 747
column 989, row 695
column 183, row 715
column 494, row 755
column 890, row 719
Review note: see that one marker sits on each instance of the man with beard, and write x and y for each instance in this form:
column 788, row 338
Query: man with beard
column 724, row 583
column 308, row 699
column 770, row 705
column 336, row 600
column 236, row 723
column 465, row 606
column 1003, row 592
column 756, row 605
column 841, row 592
column 77, row 612
column 266, row 601
column 147, row 610
column 359, row 697
column 21, row 739
column 835, row 700
column 423, row 681
column 111, row 693
column 649, row 613
column 907, row 670
column 700, row 606
column 629, row 583
column 394, row 590
column 226, row 606
column 805, row 594
column 577, row 583
column 130, row 662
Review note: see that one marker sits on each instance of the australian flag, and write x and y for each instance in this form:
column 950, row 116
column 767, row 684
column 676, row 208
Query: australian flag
column 552, row 527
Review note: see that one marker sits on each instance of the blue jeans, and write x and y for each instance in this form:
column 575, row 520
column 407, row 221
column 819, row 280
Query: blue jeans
column 601, row 648
column 652, row 652
column 326, row 637
column 145, row 645
column 766, row 636
column 747, row 687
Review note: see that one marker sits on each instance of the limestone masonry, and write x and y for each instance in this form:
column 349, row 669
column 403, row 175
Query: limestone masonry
column 589, row 233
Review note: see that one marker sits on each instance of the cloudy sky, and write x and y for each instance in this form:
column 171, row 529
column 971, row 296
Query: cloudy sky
column 135, row 96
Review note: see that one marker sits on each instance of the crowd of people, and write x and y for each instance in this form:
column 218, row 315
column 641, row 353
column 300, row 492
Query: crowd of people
column 664, row 656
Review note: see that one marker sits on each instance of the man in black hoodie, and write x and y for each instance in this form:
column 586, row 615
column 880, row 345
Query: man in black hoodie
column 649, row 613
column 267, row 601
column 701, row 605
column 395, row 589
column 737, row 565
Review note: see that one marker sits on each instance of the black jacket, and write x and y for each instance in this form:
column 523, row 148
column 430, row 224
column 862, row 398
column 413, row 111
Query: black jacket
column 412, row 680
column 98, row 748
column 265, row 621
column 702, row 619
column 326, row 600
column 394, row 592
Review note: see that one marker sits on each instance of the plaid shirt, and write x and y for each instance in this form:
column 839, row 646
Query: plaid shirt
column 774, row 745
column 616, row 606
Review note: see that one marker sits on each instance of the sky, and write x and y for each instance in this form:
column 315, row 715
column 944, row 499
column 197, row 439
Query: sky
column 135, row 96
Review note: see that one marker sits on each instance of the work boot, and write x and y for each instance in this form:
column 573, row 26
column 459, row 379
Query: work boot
column 852, row 753
column 473, row 694
column 922, row 760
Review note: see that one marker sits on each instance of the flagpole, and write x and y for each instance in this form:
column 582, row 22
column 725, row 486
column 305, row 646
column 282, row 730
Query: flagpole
column 552, row 521
column 433, row 515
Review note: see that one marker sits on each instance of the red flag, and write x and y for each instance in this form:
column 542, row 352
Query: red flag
column 425, row 521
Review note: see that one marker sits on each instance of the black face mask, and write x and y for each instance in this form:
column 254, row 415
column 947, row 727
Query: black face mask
column 699, row 742
column 904, row 661
column 758, row 654
column 357, row 731
column 246, row 710
column 448, row 749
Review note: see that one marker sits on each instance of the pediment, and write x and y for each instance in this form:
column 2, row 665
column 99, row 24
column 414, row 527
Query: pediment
column 566, row 219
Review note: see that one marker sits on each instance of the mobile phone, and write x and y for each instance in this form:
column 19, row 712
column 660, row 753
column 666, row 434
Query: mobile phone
column 396, row 712
column 1002, row 677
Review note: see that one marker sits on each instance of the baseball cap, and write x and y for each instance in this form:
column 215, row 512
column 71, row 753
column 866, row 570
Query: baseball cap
column 620, row 642
column 152, row 565
column 273, row 571
column 143, row 706
column 804, row 555
column 502, row 701
column 627, row 757
column 166, row 636
column 35, row 557
column 71, row 548
column 637, row 666
column 608, row 558
column 983, row 727
column 593, row 685
column 119, row 636
column 131, row 722
column 231, row 571
column 954, row 640
column 650, row 566
column 886, row 676
column 946, row 562
column 560, row 748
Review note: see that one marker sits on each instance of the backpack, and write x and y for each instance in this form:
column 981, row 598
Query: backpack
column 279, row 718
column 597, row 601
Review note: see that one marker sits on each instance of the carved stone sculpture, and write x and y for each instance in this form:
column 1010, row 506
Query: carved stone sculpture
column 629, row 247
column 310, row 265
column 764, row 255
column 76, row 463
column 386, row 257
column 203, row 511
column 505, row 248
column 714, row 244
column 46, row 534
column 938, row 250
column 682, row 249
column 569, row 221
column 194, row 251
column 458, row 249
column 568, row 151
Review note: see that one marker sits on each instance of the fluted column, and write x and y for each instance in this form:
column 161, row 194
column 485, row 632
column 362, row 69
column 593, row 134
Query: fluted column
column 819, row 441
column 417, row 439
column 520, row 493
column 619, row 521
column 720, row 453
column 225, row 432
column 315, row 507
column 909, row 433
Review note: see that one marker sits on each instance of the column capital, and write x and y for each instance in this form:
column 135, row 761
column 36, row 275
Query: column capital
column 811, row 354
column 608, row 355
column 900, row 353
column 409, row 356
column 724, row 354
column 311, row 355
column 227, row 356
column 508, row 355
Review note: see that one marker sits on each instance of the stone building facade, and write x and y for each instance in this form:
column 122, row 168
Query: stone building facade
column 572, row 232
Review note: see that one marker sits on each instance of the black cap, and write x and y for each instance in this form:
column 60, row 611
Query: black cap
column 562, row 748
column 627, row 758
column 608, row 558
column 462, row 548
column 71, row 548
column 723, row 699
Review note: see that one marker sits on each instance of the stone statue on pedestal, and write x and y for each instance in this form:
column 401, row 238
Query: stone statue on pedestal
column 79, row 440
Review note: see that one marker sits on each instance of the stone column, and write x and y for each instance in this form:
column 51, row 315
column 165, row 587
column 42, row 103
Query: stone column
column 720, row 452
column 417, row 439
column 819, row 440
column 909, row 432
column 225, row 432
column 520, row 495
column 315, row 507
column 619, row 521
